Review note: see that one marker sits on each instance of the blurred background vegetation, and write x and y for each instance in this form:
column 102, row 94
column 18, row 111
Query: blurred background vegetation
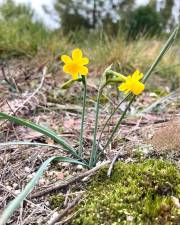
column 108, row 31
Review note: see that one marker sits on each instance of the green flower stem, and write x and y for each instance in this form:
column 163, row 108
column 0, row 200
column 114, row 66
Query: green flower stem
column 118, row 123
column 107, row 121
column 94, row 148
column 83, row 116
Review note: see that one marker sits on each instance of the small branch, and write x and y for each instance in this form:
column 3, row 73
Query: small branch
column 69, row 182
column 163, row 101
column 113, row 162
column 8, row 81
column 65, row 211
column 34, row 93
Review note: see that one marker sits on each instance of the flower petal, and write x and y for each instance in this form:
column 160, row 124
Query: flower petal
column 138, row 88
column 84, row 61
column 76, row 54
column 66, row 69
column 137, row 75
column 66, row 59
column 83, row 70
column 74, row 76
column 122, row 87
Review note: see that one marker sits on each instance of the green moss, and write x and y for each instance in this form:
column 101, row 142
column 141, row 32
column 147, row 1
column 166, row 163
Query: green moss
column 56, row 201
column 136, row 193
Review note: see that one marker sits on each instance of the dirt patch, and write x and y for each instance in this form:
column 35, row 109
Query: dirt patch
column 167, row 136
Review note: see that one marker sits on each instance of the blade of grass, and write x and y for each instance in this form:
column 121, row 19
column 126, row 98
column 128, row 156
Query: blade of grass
column 42, row 130
column 166, row 47
column 14, row 204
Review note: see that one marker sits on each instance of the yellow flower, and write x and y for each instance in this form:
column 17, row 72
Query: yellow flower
column 75, row 65
column 132, row 83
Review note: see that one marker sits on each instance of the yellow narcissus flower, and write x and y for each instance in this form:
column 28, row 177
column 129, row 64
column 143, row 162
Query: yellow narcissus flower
column 132, row 83
column 75, row 66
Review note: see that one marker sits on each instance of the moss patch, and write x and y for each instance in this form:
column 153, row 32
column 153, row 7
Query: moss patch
column 56, row 201
column 136, row 193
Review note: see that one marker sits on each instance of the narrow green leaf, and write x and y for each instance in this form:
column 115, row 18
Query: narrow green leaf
column 14, row 204
column 42, row 130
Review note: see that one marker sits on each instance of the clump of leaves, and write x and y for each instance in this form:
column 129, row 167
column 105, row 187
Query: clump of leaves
column 137, row 192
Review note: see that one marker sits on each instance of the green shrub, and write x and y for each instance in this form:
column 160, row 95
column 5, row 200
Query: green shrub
column 143, row 21
column 19, row 33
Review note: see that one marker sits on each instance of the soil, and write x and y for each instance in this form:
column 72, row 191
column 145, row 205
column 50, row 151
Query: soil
column 167, row 136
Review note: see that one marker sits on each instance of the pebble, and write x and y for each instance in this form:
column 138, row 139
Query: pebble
column 30, row 176
column 129, row 218
column 65, row 164
column 54, row 215
column 15, row 185
column 47, row 203
column 27, row 169
column 85, row 179
column 176, row 202
column 9, row 188
column 80, row 167
column 42, row 181
column 16, row 192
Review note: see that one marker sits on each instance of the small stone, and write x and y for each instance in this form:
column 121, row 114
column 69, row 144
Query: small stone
column 65, row 164
column 15, row 185
column 51, row 173
column 79, row 167
column 176, row 202
column 152, row 94
column 27, row 169
column 16, row 192
column 30, row 176
column 99, row 163
column 47, row 203
column 129, row 218
column 60, row 176
column 55, row 214
column 66, row 173
column 85, row 179
column 42, row 181
column 9, row 188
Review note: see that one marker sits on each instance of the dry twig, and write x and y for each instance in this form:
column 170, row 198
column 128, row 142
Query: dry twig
column 66, row 210
column 113, row 161
column 68, row 182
